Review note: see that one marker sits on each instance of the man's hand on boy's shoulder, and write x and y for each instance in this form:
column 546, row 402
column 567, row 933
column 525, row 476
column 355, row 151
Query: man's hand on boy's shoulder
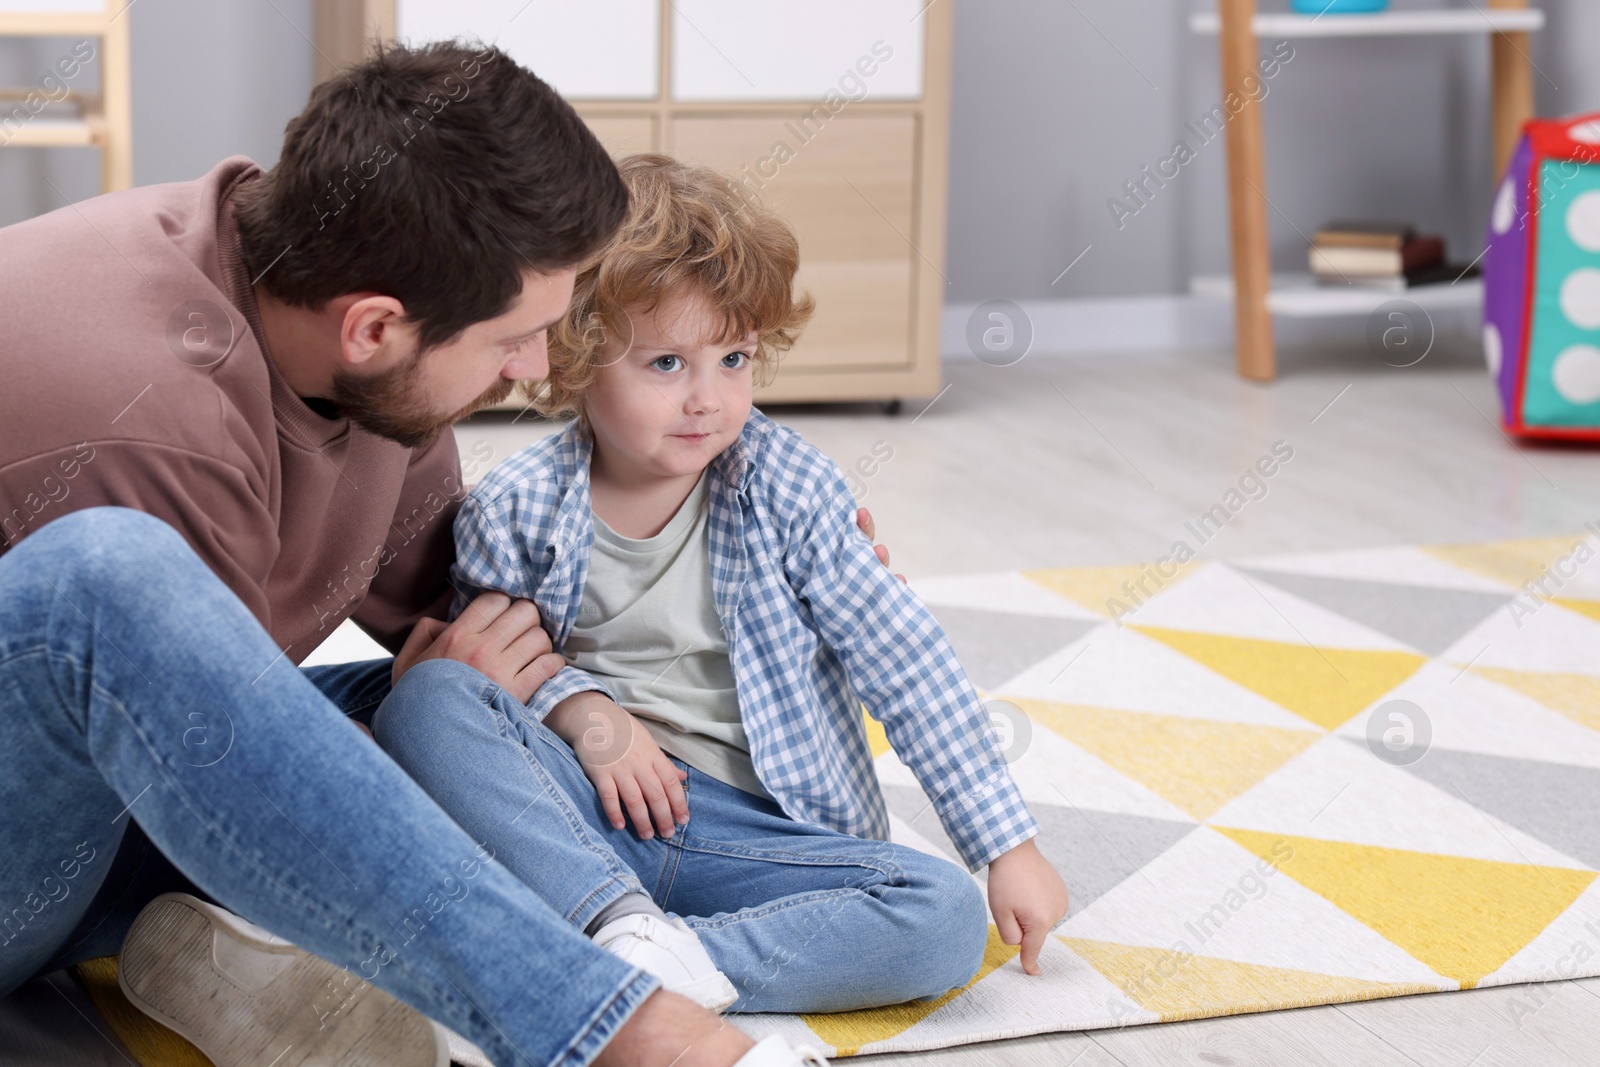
column 864, row 520
column 498, row 636
column 501, row 637
column 1027, row 898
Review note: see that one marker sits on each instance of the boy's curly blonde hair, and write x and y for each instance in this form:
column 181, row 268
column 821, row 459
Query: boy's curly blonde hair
column 688, row 227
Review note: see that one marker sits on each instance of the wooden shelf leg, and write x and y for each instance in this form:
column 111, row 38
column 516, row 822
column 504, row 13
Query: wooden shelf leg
column 1512, row 76
column 116, row 146
column 1247, row 197
column 345, row 31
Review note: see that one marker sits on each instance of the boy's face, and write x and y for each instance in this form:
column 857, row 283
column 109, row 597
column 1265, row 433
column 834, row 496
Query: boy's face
column 668, row 399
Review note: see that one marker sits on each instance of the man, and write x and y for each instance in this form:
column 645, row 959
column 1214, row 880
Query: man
column 224, row 429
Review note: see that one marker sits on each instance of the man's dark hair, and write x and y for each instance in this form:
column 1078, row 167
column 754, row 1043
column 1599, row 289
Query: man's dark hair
column 437, row 175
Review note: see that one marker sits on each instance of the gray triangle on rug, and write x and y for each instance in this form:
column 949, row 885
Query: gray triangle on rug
column 1428, row 618
column 1094, row 851
column 1556, row 803
column 996, row 646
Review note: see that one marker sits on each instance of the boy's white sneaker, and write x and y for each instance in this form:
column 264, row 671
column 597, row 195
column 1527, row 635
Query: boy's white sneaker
column 774, row 1050
column 673, row 953
column 247, row 998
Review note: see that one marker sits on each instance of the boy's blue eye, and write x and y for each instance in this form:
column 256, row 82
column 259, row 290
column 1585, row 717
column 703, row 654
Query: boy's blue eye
column 664, row 363
column 735, row 360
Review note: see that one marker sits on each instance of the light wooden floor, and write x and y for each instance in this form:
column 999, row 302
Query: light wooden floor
column 1090, row 461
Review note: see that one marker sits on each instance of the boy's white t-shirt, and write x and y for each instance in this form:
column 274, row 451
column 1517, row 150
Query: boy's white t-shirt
column 648, row 628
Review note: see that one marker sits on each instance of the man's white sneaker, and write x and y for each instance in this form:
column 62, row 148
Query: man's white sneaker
column 774, row 1050
column 673, row 953
column 247, row 998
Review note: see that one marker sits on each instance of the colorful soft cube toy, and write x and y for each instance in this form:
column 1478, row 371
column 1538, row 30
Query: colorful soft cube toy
column 1541, row 276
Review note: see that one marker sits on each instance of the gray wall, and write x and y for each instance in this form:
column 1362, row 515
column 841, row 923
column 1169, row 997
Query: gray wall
column 211, row 78
column 1056, row 106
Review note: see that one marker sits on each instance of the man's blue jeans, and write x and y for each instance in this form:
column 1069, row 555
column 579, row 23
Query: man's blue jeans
column 135, row 686
column 801, row 918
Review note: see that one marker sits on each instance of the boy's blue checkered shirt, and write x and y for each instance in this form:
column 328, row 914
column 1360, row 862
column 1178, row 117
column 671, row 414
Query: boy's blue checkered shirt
column 816, row 626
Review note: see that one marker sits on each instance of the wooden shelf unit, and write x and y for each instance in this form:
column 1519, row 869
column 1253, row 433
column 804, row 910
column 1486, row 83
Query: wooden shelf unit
column 1507, row 23
column 1384, row 24
column 866, row 195
column 1300, row 295
column 103, row 120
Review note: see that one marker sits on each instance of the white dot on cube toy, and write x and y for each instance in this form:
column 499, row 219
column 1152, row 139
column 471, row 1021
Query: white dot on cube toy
column 1586, row 132
column 1580, row 298
column 1576, row 374
column 1492, row 350
column 1505, row 208
column 1583, row 221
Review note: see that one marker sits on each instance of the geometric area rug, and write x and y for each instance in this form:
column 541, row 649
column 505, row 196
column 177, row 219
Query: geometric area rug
column 1278, row 782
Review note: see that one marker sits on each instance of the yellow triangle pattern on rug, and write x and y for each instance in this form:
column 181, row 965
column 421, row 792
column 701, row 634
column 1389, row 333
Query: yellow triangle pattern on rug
column 848, row 1031
column 1451, row 920
column 1577, row 696
column 1462, row 917
column 1512, row 563
column 1101, row 589
column 1180, row 985
column 1197, row 765
column 877, row 739
column 152, row 1044
column 1322, row 685
column 1587, row 608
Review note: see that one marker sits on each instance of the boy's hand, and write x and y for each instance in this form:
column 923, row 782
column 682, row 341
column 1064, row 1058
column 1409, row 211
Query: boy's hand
column 623, row 761
column 494, row 634
column 864, row 520
column 1027, row 898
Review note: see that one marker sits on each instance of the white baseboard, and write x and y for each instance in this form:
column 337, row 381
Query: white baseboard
column 1110, row 325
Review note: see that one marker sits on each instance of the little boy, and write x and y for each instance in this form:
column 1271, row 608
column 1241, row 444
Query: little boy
column 723, row 623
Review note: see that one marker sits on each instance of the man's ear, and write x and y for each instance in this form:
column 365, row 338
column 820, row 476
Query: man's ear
column 371, row 324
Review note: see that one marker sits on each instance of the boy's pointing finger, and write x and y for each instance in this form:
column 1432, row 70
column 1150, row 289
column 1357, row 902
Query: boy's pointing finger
column 1032, row 941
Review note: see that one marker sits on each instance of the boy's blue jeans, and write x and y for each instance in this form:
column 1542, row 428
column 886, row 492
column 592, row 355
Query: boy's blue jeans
column 799, row 917
column 134, row 685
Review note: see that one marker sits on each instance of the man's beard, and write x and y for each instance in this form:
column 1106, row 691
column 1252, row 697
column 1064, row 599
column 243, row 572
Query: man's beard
column 391, row 404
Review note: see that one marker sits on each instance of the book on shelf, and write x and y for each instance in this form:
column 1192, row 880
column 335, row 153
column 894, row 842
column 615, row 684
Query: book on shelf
column 1384, row 254
column 1364, row 234
column 1416, row 253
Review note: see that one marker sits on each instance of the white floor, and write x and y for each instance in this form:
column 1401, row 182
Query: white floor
column 1057, row 462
